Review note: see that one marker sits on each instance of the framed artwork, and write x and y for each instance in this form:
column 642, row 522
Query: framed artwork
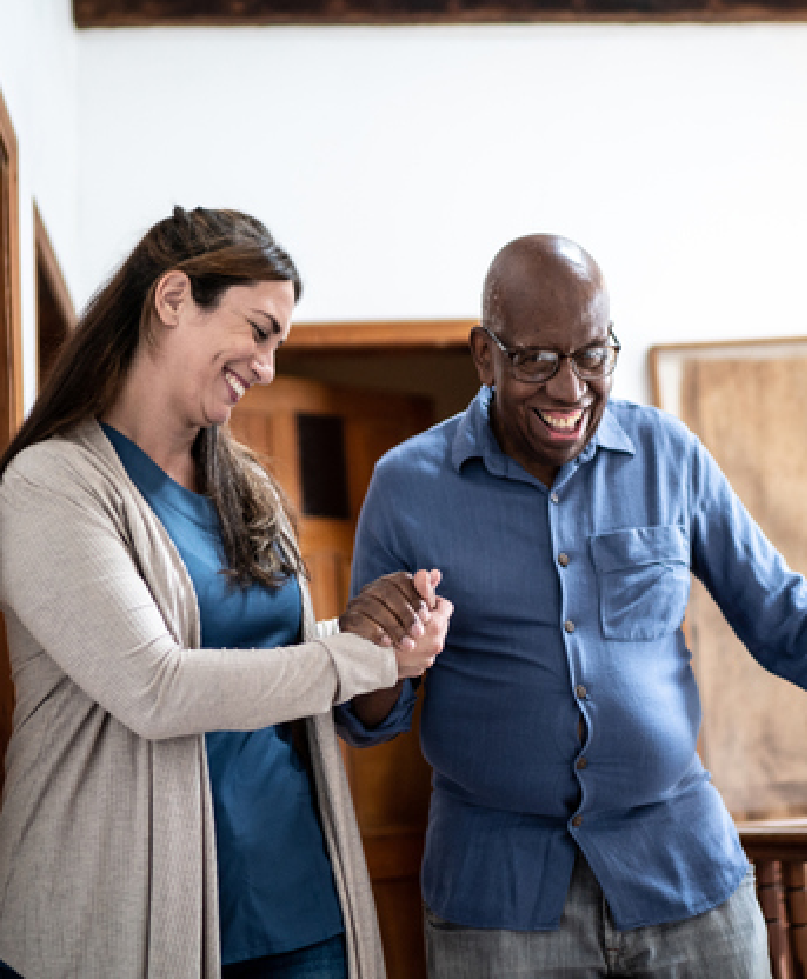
column 747, row 401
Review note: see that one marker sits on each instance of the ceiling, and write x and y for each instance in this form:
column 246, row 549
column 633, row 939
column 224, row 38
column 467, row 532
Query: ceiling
column 232, row 13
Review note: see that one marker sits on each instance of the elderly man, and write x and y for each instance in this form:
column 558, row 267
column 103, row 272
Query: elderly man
column 573, row 830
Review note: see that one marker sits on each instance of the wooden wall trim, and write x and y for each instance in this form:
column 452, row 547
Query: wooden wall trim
column 11, row 316
column 774, row 839
column 11, row 400
column 246, row 13
column 52, row 270
column 380, row 335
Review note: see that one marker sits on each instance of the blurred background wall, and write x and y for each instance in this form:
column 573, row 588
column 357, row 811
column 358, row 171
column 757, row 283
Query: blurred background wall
column 394, row 161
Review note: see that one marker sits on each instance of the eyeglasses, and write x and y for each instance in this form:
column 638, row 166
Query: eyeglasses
column 534, row 365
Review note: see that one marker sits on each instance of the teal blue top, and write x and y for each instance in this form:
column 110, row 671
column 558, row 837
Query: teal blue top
column 276, row 888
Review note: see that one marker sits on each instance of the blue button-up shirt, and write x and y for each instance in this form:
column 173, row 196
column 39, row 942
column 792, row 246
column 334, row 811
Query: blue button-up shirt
column 569, row 601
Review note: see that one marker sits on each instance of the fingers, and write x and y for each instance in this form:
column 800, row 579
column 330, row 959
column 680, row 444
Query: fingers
column 425, row 583
column 391, row 604
column 416, row 656
column 356, row 622
column 398, row 594
column 402, row 610
column 367, row 614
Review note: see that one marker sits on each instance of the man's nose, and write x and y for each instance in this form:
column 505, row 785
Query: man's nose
column 263, row 367
column 566, row 385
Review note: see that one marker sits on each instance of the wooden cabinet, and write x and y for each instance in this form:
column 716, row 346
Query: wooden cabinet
column 310, row 432
column 778, row 850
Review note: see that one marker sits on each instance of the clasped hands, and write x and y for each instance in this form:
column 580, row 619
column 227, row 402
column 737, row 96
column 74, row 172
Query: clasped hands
column 403, row 611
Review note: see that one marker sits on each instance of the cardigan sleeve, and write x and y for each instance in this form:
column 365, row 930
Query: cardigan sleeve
column 88, row 597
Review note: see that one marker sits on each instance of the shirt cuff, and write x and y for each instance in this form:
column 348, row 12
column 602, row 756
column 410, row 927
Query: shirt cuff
column 399, row 719
column 327, row 627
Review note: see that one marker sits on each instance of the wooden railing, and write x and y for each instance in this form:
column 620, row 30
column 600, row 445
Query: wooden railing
column 778, row 850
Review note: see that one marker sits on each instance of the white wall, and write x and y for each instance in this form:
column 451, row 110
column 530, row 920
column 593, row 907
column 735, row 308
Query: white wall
column 38, row 83
column 394, row 162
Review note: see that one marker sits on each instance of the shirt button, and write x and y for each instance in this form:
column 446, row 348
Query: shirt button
column 580, row 692
column 563, row 559
column 553, row 497
column 577, row 821
column 568, row 625
column 581, row 763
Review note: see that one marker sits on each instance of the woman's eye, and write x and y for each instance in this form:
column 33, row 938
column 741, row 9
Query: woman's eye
column 260, row 334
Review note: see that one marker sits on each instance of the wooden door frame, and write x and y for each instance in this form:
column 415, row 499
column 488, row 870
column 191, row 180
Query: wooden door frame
column 46, row 262
column 46, row 255
column 11, row 394
column 378, row 335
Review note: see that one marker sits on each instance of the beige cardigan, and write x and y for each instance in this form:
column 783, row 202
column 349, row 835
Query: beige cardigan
column 107, row 849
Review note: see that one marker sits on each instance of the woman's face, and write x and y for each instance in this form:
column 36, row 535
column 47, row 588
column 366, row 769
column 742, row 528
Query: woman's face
column 213, row 356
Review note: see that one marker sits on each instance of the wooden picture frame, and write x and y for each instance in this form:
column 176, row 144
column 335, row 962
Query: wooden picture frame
column 747, row 402
column 230, row 13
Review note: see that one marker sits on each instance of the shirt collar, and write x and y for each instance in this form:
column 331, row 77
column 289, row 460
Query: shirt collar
column 609, row 435
column 474, row 437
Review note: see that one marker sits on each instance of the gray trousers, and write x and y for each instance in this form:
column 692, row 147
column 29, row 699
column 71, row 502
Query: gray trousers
column 728, row 942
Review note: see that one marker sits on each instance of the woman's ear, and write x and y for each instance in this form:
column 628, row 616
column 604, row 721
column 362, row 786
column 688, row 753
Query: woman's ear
column 481, row 353
column 173, row 290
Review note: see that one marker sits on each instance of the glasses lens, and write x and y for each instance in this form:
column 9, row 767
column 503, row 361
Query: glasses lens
column 588, row 364
column 595, row 361
column 535, row 365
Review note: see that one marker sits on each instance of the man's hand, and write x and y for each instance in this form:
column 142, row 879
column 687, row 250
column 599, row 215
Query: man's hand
column 403, row 611
column 386, row 610
column 416, row 650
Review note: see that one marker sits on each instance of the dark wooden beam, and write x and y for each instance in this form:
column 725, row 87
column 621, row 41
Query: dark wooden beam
column 232, row 13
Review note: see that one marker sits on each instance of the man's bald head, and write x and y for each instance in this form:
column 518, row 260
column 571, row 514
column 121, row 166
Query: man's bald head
column 555, row 271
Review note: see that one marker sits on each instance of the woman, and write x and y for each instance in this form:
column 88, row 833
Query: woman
column 163, row 647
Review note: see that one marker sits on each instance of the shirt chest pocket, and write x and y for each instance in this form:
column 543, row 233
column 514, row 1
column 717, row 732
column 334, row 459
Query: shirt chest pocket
column 642, row 580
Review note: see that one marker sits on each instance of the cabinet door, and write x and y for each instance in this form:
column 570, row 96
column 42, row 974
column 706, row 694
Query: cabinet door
column 321, row 443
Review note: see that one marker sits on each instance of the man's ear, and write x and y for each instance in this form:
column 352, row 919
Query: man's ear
column 482, row 355
column 173, row 290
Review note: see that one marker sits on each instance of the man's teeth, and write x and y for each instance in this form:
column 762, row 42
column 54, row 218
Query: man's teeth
column 235, row 382
column 561, row 422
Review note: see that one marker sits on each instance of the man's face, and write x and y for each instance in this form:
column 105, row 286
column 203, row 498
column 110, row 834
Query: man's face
column 545, row 424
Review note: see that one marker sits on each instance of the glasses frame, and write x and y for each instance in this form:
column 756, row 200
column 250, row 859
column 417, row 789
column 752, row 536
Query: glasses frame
column 512, row 352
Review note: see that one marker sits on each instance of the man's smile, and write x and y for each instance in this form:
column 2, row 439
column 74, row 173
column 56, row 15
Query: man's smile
column 562, row 422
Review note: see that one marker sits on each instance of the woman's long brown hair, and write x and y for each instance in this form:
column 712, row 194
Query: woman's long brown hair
column 216, row 249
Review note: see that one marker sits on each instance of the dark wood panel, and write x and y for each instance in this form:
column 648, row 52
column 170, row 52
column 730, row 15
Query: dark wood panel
column 55, row 315
column 149, row 13
column 391, row 782
column 778, row 850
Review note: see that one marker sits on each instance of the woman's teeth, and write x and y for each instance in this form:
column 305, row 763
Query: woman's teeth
column 235, row 384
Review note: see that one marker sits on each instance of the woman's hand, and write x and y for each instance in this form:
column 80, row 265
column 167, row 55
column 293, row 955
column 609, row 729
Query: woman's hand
column 417, row 651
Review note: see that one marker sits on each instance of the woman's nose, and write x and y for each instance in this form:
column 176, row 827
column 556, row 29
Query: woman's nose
column 263, row 367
